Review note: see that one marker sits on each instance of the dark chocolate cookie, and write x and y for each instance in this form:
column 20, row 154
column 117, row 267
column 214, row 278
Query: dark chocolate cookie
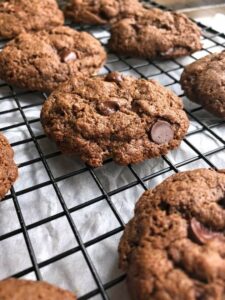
column 204, row 82
column 153, row 32
column 17, row 16
column 14, row 289
column 100, row 11
column 8, row 169
column 43, row 60
column 174, row 247
column 114, row 116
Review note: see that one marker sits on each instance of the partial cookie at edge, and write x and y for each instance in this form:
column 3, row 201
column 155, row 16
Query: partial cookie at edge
column 32, row 290
column 8, row 168
column 174, row 246
column 204, row 83
column 17, row 16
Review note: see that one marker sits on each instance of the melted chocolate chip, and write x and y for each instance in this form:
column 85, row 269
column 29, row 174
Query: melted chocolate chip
column 161, row 132
column 221, row 202
column 67, row 55
column 202, row 233
column 109, row 107
column 114, row 76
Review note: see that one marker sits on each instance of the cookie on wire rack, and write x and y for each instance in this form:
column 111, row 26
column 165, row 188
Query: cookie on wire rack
column 174, row 247
column 114, row 116
column 8, row 168
column 155, row 33
column 42, row 60
column 17, row 16
column 100, row 11
column 204, row 83
column 32, row 290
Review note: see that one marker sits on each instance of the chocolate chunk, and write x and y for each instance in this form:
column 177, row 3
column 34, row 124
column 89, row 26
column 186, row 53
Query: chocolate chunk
column 161, row 132
column 67, row 55
column 109, row 107
column 202, row 233
column 114, row 76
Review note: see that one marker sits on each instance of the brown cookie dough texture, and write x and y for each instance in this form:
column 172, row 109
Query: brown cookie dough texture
column 101, row 11
column 174, row 247
column 153, row 32
column 14, row 289
column 8, row 169
column 114, row 116
column 204, row 83
column 43, row 60
column 17, row 16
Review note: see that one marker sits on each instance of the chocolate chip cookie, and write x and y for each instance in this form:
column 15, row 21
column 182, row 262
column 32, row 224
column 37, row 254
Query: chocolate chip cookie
column 8, row 169
column 17, row 16
column 204, row 82
column 155, row 33
column 114, row 116
column 11, row 289
column 100, row 11
column 174, row 247
column 43, row 60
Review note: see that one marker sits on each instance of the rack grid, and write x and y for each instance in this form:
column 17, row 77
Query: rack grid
column 19, row 117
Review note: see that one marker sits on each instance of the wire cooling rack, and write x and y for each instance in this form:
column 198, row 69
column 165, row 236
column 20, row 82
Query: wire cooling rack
column 53, row 189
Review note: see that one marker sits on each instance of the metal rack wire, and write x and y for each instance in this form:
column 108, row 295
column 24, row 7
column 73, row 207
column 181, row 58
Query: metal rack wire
column 165, row 71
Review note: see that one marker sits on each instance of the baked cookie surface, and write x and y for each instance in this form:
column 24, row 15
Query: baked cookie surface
column 204, row 82
column 155, row 33
column 8, row 168
column 174, row 247
column 114, row 116
column 14, row 289
column 100, row 11
column 17, row 16
column 43, row 60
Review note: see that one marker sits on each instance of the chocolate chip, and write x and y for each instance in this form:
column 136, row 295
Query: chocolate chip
column 109, row 107
column 67, row 55
column 202, row 233
column 161, row 132
column 137, row 27
column 114, row 76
